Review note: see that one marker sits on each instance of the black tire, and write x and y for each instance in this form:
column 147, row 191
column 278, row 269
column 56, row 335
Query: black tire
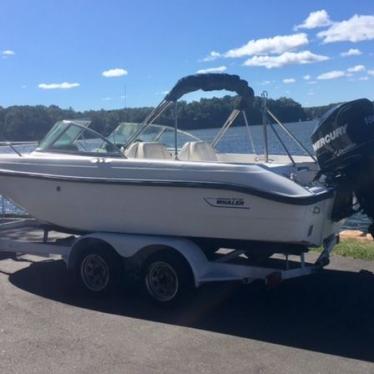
column 167, row 278
column 98, row 270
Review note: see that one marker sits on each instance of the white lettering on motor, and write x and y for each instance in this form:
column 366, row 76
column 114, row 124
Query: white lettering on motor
column 337, row 133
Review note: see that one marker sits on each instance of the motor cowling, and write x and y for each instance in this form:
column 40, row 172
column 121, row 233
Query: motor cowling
column 344, row 145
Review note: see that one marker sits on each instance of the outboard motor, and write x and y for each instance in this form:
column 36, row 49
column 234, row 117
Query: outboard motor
column 344, row 146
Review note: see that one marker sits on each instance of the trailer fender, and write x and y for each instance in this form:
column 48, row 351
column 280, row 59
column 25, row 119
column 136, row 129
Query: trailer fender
column 129, row 245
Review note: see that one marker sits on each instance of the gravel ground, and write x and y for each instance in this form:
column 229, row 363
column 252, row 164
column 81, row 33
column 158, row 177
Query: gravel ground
column 318, row 324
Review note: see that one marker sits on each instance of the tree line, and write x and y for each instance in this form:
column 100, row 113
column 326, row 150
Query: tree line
column 33, row 122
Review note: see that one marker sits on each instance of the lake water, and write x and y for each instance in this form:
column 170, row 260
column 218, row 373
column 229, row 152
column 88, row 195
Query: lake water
column 236, row 141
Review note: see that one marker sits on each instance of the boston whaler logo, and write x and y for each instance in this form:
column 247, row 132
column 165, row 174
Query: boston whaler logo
column 327, row 139
column 226, row 202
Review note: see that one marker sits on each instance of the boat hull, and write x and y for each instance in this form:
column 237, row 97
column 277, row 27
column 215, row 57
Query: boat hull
column 167, row 209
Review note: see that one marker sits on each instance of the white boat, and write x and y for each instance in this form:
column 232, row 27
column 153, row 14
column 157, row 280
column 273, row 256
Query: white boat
column 78, row 180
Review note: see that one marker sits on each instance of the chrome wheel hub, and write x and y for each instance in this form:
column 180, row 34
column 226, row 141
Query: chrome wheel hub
column 95, row 273
column 162, row 281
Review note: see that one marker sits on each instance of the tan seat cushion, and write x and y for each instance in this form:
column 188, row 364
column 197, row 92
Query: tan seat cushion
column 148, row 150
column 197, row 151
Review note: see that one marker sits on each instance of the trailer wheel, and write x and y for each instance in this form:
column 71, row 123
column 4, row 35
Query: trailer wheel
column 167, row 277
column 98, row 270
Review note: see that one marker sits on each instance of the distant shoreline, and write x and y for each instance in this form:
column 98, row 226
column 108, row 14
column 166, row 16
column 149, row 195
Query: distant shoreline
column 26, row 122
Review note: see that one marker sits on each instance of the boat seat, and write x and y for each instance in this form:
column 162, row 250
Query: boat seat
column 148, row 150
column 197, row 151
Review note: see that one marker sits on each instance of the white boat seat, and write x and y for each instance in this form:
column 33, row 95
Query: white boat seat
column 197, row 151
column 149, row 150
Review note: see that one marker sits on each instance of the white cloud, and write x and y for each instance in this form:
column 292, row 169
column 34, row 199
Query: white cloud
column 332, row 75
column 289, row 80
column 113, row 73
column 341, row 73
column 58, row 86
column 307, row 77
column 363, row 78
column 319, row 18
column 218, row 69
column 275, row 45
column 265, row 83
column 163, row 93
column 212, row 56
column 356, row 69
column 312, row 82
column 7, row 53
column 351, row 52
column 287, row 58
column 107, row 98
column 355, row 29
column 371, row 72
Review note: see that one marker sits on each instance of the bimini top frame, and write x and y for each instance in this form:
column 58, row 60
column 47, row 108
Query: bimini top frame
column 205, row 82
column 212, row 82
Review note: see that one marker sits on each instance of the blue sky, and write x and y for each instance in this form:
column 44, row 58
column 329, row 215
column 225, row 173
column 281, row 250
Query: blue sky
column 83, row 53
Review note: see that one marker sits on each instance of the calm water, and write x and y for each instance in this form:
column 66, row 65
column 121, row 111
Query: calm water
column 236, row 141
column 236, row 138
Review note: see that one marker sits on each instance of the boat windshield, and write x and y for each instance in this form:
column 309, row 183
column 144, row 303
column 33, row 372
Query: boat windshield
column 153, row 133
column 75, row 137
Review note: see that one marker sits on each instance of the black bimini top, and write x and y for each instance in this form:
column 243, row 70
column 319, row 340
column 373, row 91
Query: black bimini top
column 212, row 82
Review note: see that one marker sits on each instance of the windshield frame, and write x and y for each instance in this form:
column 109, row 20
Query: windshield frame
column 162, row 129
column 84, row 126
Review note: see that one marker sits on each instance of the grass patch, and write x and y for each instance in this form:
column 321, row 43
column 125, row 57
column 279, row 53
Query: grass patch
column 354, row 248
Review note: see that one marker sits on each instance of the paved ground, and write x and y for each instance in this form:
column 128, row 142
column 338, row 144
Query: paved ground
column 319, row 324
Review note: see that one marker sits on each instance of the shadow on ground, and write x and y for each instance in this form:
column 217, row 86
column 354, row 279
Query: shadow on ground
column 330, row 312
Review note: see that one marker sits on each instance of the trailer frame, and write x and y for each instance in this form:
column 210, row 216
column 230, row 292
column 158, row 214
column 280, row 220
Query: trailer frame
column 224, row 267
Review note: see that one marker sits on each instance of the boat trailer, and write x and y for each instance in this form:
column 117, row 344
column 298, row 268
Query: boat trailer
column 167, row 266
